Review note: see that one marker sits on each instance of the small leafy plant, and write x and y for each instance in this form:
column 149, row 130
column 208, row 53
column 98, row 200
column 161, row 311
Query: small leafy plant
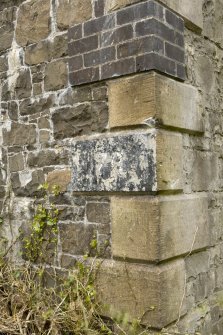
column 44, row 228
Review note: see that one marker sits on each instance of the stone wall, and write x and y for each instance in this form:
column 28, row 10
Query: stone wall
column 138, row 157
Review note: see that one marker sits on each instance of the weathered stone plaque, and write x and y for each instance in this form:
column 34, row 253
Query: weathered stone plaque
column 115, row 164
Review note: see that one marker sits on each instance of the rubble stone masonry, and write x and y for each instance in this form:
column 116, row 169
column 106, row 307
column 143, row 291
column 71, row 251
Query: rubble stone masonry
column 120, row 103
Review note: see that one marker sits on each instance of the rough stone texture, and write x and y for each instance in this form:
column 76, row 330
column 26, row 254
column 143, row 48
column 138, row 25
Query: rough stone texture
column 23, row 85
column 157, row 228
column 46, row 50
column 204, row 170
column 19, row 134
column 26, row 183
column 34, row 59
column 70, row 12
column 213, row 21
column 118, row 163
column 33, row 106
column 52, row 81
column 3, row 64
column 75, row 239
column 60, row 178
column 16, row 162
column 98, row 212
column 6, row 28
column 79, row 120
column 135, row 290
column 33, row 22
column 47, row 157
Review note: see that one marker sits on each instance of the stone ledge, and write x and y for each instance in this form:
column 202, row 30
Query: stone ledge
column 155, row 100
column 141, row 291
column 136, row 162
column 139, row 38
column 155, row 229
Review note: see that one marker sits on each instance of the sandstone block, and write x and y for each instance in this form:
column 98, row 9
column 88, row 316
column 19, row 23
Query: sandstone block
column 34, row 106
column 203, row 174
column 26, row 183
column 61, row 178
column 3, row 64
column 45, row 51
column 138, row 162
column 76, row 238
column 142, row 291
column 158, row 228
column 76, row 95
column 37, row 89
column 152, row 98
column 98, row 212
column 71, row 12
column 169, row 161
column 33, row 23
column 7, row 16
column 52, row 80
column 204, row 72
column 23, row 85
column 13, row 110
column 68, row 262
column 19, row 134
column 44, row 136
column 197, row 264
column 59, row 47
column 16, row 163
column 37, row 53
column 213, row 21
column 43, row 123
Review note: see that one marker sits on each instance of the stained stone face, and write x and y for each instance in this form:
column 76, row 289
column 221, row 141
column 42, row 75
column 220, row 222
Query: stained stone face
column 33, row 22
column 118, row 163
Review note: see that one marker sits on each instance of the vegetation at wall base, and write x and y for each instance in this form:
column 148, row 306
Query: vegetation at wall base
column 40, row 299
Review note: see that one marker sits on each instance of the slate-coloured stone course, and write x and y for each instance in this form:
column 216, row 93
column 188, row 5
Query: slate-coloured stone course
column 138, row 38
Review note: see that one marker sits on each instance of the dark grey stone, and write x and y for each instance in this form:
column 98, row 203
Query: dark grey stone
column 119, row 68
column 99, row 57
column 174, row 20
column 116, row 36
column 139, row 11
column 97, row 25
column 75, row 33
column 88, row 75
column 174, row 52
column 83, row 45
column 139, row 30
